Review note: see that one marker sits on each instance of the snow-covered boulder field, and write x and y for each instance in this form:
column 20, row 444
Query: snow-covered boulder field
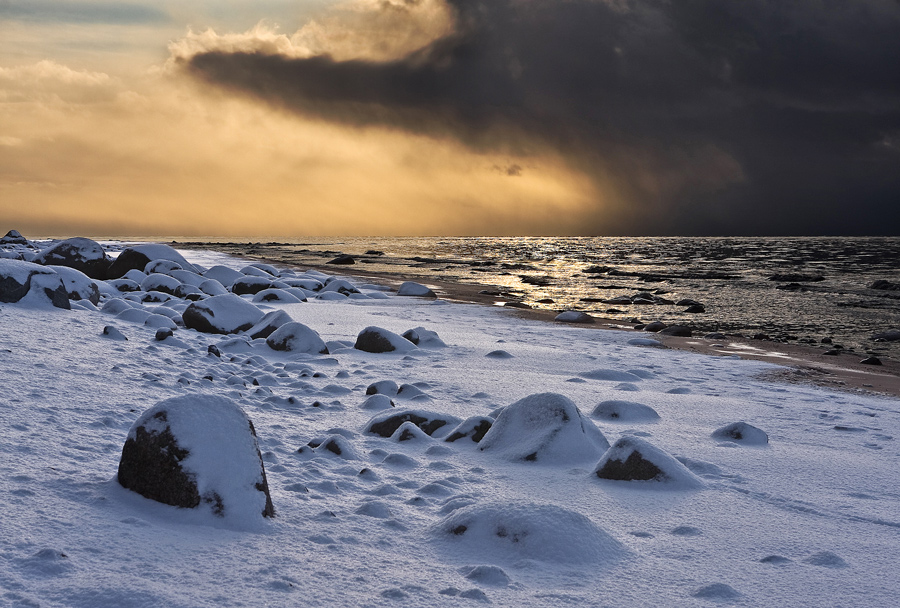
column 477, row 458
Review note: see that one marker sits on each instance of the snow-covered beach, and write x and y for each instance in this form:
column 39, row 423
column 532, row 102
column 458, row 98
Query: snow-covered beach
column 805, row 515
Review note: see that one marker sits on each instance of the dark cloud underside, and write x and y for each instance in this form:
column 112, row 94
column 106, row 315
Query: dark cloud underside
column 706, row 116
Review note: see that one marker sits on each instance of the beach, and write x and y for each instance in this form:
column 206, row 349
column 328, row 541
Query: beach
column 756, row 490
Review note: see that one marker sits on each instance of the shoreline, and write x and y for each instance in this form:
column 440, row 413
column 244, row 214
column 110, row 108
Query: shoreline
column 802, row 363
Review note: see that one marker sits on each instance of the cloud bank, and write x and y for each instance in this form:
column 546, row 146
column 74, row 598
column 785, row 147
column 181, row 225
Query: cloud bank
column 689, row 117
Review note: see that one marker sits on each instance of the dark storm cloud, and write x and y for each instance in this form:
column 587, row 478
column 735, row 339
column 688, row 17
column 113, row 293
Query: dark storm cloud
column 707, row 116
column 87, row 11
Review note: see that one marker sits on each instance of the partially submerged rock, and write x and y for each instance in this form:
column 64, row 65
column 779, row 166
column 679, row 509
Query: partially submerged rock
column 574, row 316
column 546, row 428
column 197, row 450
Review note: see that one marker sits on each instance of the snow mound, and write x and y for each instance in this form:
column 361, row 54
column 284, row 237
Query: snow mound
column 509, row 532
column 197, row 449
column 633, row 459
column 716, row 591
column 297, row 338
column 378, row 340
column 741, row 432
column 225, row 314
column 610, row 375
column 617, row 410
column 546, row 428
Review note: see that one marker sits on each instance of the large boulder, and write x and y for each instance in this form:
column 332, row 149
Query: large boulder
column 78, row 285
column 633, row 459
column 31, row 284
column 161, row 282
column 224, row 275
column 269, row 323
column 296, row 338
column 225, row 314
column 378, row 340
column 546, row 428
column 78, row 253
column 13, row 237
column 138, row 256
column 197, row 450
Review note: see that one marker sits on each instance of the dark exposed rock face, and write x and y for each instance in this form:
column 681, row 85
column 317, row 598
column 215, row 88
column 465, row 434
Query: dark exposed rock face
column 378, row 340
column 883, row 285
column 386, row 424
column 677, row 330
column 342, row 260
column 151, row 466
column 633, row 468
column 250, row 285
column 78, row 253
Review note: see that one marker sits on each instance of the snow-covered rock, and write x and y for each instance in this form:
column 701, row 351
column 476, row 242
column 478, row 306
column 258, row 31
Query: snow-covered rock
column 250, row 285
column 13, row 237
column 225, row 314
column 378, row 340
column 574, row 316
column 160, row 282
column 277, row 295
column 616, row 410
column 741, row 432
column 224, row 275
column 341, row 286
column 425, row 338
column 635, row 460
column 510, row 532
column 78, row 285
column 411, row 288
column 138, row 256
column 78, row 253
column 31, row 284
column 197, row 450
column 387, row 423
column 296, row 338
column 546, row 428
column 474, row 428
column 269, row 323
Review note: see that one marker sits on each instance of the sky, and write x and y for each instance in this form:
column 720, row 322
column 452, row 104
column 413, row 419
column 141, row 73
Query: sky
column 449, row 117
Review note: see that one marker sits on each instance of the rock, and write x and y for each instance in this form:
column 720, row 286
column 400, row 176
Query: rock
column 296, row 338
column 269, row 323
column 342, row 260
column 546, row 428
column 474, row 427
column 677, row 330
column 13, row 237
column 163, row 333
column 78, row 285
column 410, row 288
column 224, row 275
column 873, row 360
column 834, row 352
column 250, row 285
column 160, row 282
column 138, row 256
column 383, row 387
column 124, row 285
column 883, row 285
column 624, row 411
column 332, row 444
column 424, row 338
column 715, row 336
column 78, row 253
column 633, row 459
column 695, row 308
column 225, row 314
column 378, row 340
column 499, row 354
column 212, row 287
column 574, row 316
column 161, row 267
column 793, row 287
column 277, row 295
column 113, row 334
column 408, row 431
column 197, row 450
column 387, row 423
column 341, row 286
column 741, row 432
column 655, row 326
column 891, row 335
column 31, row 284
column 688, row 302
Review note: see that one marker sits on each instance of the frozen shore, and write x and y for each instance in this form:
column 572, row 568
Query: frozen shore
column 806, row 518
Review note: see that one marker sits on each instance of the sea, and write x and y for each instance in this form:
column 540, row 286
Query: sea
column 826, row 292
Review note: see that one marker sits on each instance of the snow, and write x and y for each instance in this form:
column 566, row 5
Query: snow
column 808, row 519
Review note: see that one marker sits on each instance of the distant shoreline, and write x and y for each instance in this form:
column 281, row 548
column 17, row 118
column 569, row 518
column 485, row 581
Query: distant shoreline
column 802, row 363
